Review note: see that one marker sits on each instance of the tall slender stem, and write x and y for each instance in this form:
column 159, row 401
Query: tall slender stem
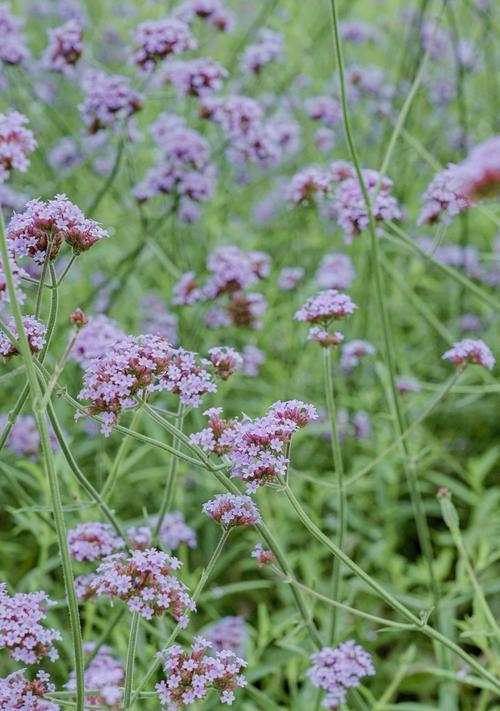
column 168, row 492
column 129, row 667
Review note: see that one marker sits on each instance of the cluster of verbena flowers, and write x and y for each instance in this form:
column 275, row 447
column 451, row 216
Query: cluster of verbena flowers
column 34, row 331
column 93, row 541
column 335, row 271
column 13, row 47
column 267, row 48
column 211, row 11
column 230, row 510
column 20, row 694
column 155, row 40
column 190, row 675
column 225, row 361
column 108, row 99
column 20, row 630
column 338, row 670
column 227, row 633
column 352, row 352
column 470, row 350
column 145, row 580
column 65, row 47
column 24, row 438
column 174, row 530
column 94, row 339
column 195, row 77
column 16, row 142
column 263, row 556
column 104, row 674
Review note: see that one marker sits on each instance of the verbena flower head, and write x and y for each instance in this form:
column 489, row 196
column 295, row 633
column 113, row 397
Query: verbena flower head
column 225, row 361
column 230, row 510
column 35, row 333
column 46, row 225
column 16, row 141
column 444, row 197
column 65, row 47
column 326, row 306
column 309, row 185
column 17, row 692
column 157, row 39
column 324, row 109
column 24, row 438
column 93, row 541
column 481, row 170
column 17, row 274
column 220, row 434
column 290, row 277
column 259, row 453
column 190, row 675
column 211, row 11
column 136, row 367
column 233, row 269
column 338, row 670
column 352, row 352
column 268, row 48
column 406, row 384
column 13, row 44
column 85, row 587
column 324, row 337
column 145, row 580
column 246, row 310
column 108, row 99
column 94, row 339
column 105, row 674
column 186, row 291
column 253, row 358
column 237, row 115
column 228, row 633
column 21, row 633
column 157, row 319
column 470, row 350
column 335, row 272
column 195, row 77
column 263, row 555
column 174, row 531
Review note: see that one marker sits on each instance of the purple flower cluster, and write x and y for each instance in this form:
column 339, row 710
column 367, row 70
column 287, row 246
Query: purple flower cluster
column 228, row 633
column 211, row 11
column 230, row 510
column 326, row 306
column 139, row 537
column 44, row 226
column 157, row 39
column 338, row 670
column 16, row 141
column 93, row 541
column 108, row 99
column 65, row 47
column 157, row 319
column 24, row 439
column 35, row 333
column 20, row 630
column 470, row 350
column 324, row 337
column 335, row 271
column 263, row 555
column 85, row 587
column 253, row 358
column 195, row 77
column 13, row 44
column 219, row 436
column 268, row 48
column 94, row 339
column 146, row 582
column 191, row 675
column 139, row 366
column 174, row 531
column 17, row 274
column 309, row 185
column 105, row 674
column 20, row 694
column 290, row 277
column 225, row 361
column 352, row 352
column 324, row 109
column 444, row 197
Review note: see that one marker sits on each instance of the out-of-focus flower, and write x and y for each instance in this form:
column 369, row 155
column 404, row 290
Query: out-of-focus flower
column 211, row 11
column 228, row 633
column 157, row 39
column 13, row 42
column 93, row 541
column 225, row 361
column 338, row 670
column 108, row 99
column 17, row 274
column 94, row 339
column 24, row 438
column 406, row 384
column 65, row 47
column 174, row 531
column 290, row 277
column 309, row 185
column 352, row 352
column 335, row 272
column 195, row 77
column 263, row 555
column 326, row 306
column 105, row 674
column 253, row 358
column 268, row 48
column 16, row 141
column 470, row 350
column 324, row 109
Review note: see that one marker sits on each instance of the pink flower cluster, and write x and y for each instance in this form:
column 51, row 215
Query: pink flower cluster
column 45, row 226
column 338, row 670
column 13, row 45
column 35, row 333
column 211, row 11
column 17, row 274
column 324, row 337
column 94, row 339
column 268, row 48
column 470, row 350
column 174, row 531
column 136, row 367
column 444, row 197
column 157, row 39
column 195, row 77
column 324, row 109
column 230, row 510
column 108, row 99
column 65, row 47
column 16, row 141
column 225, row 361
column 228, row 633
column 20, row 630
column 253, row 358
column 20, row 694
column 290, row 277
column 220, row 434
column 146, row 582
column 352, row 352
column 310, row 185
column 85, row 587
column 157, row 319
column 335, row 271
column 326, row 306
column 93, row 541
column 264, row 556
column 105, row 674
column 24, row 439
column 191, row 675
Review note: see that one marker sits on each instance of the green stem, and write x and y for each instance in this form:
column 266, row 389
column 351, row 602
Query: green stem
column 112, row 478
column 109, row 181
column 339, row 473
column 49, row 467
column 129, row 668
column 168, row 493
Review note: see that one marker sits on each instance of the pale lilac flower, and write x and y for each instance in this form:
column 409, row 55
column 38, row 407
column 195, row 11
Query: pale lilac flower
column 362, row 425
column 158, row 319
column 324, row 109
column 65, row 47
column 16, row 141
column 94, row 339
column 13, row 42
column 21, row 633
column 230, row 510
column 358, row 32
column 225, row 361
column 253, row 358
column 190, row 676
column 35, row 333
column 65, row 155
column 146, row 582
column 139, row 537
column 46, row 225
column 17, row 274
column 444, row 197
column 228, row 633
column 174, row 531
column 481, row 170
column 232, row 269
column 268, row 48
column 217, row 317
column 335, row 271
column 211, row 11
column 309, row 185
column 105, row 674
column 186, row 291
column 406, row 384
column 326, row 306
column 24, row 438
column 290, row 277
column 219, row 436
column 470, row 351
column 324, row 337
column 108, row 99
column 93, row 541
column 324, row 138
column 157, row 39
column 471, row 322
column 338, row 670
column 352, row 352
column 18, row 693
column 195, row 77
column 237, row 115
column 263, row 555
column 85, row 587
